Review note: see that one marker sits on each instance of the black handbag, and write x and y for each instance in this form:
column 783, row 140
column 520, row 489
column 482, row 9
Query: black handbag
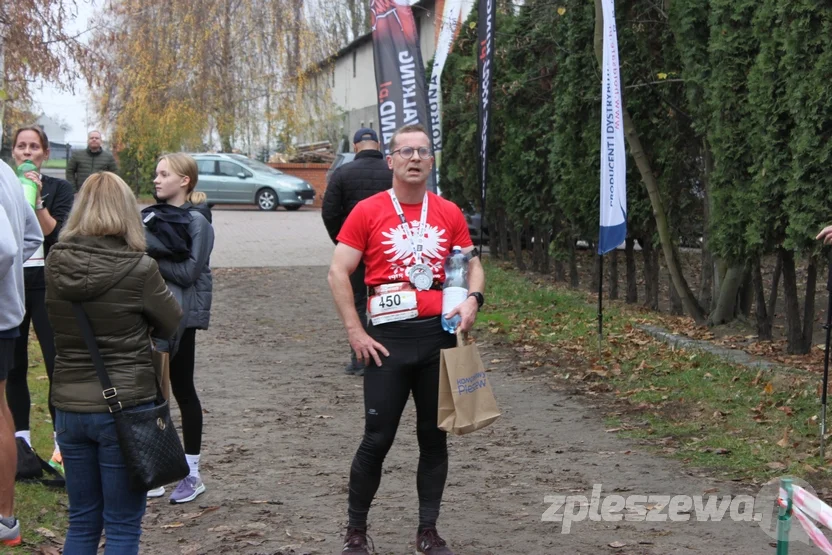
column 148, row 439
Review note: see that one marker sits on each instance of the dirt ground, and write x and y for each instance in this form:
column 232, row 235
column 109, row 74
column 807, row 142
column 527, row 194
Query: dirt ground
column 282, row 422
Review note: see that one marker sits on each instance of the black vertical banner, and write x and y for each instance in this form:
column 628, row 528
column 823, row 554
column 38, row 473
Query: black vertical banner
column 486, row 17
column 400, row 72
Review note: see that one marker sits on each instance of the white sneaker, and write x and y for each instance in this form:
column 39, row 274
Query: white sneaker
column 158, row 492
column 10, row 536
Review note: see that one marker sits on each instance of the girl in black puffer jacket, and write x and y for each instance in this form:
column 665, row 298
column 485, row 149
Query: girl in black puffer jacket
column 189, row 277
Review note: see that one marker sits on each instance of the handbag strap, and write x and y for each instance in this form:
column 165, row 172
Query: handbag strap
column 110, row 393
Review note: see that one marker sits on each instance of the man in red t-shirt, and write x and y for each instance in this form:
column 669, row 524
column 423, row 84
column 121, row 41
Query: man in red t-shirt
column 402, row 236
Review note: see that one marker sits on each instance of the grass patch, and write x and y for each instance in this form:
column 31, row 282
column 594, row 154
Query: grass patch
column 35, row 505
column 59, row 164
column 747, row 424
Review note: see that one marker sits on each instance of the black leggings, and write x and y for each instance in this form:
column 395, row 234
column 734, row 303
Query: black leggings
column 413, row 366
column 17, row 386
column 183, row 389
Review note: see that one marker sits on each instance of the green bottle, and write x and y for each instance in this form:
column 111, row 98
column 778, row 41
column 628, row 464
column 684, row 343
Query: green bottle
column 30, row 188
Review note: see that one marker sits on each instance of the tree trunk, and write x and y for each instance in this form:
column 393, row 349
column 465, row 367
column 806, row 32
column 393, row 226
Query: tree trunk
column 775, row 282
column 518, row 251
column 648, row 272
column 794, row 331
column 706, row 285
column 537, row 249
column 651, row 273
column 720, row 271
column 632, row 275
column 648, row 178
column 763, row 320
column 809, row 306
column 746, row 296
column 503, row 233
column 676, row 308
column 546, row 263
column 574, row 282
column 614, row 275
column 560, row 271
column 727, row 302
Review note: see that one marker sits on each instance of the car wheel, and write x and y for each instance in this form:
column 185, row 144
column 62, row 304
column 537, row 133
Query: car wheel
column 292, row 207
column 266, row 199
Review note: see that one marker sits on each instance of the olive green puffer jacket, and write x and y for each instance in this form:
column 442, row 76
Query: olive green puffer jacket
column 124, row 296
column 84, row 163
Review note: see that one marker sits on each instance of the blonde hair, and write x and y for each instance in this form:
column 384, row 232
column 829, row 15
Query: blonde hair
column 184, row 166
column 105, row 206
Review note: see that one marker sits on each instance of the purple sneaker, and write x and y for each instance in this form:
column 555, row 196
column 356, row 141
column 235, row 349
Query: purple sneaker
column 187, row 490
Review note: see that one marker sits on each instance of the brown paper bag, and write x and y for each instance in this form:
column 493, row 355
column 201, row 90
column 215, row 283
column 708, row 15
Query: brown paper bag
column 466, row 402
column 161, row 360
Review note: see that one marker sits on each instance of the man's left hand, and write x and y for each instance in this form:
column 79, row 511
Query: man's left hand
column 468, row 311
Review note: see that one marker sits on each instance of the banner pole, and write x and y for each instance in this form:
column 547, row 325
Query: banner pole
column 600, row 303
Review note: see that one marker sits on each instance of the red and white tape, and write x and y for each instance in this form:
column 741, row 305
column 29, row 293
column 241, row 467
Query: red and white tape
column 804, row 506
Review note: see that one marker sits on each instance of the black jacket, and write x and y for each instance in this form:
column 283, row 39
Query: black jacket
column 365, row 176
column 166, row 230
column 57, row 195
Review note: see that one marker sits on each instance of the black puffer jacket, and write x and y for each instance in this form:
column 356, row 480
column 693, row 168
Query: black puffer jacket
column 365, row 176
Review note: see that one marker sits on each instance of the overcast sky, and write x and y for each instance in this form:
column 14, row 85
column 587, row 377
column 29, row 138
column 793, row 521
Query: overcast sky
column 74, row 109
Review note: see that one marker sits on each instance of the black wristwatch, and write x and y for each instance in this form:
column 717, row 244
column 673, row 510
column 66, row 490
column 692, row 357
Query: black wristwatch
column 479, row 297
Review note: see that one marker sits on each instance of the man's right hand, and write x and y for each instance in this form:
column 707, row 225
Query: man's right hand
column 366, row 347
column 825, row 235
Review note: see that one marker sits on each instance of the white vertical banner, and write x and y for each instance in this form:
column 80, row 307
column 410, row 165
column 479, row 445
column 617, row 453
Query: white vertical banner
column 613, row 228
column 453, row 13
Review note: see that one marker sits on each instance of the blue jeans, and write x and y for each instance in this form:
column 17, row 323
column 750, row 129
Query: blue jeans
column 97, row 484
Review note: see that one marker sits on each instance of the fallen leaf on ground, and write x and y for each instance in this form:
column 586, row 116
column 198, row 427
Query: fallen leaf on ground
column 617, row 545
column 47, row 550
column 784, row 442
column 711, row 490
column 46, row 533
column 776, row 465
column 768, row 389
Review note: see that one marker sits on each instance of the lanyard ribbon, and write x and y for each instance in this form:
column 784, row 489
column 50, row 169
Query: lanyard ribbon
column 417, row 247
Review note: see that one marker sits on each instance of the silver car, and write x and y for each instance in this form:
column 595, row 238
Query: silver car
column 235, row 179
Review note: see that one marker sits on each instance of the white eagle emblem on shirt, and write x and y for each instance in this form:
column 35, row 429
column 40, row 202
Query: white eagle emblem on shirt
column 402, row 251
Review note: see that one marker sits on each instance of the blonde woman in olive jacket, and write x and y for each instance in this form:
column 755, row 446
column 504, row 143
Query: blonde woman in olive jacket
column 99, row 261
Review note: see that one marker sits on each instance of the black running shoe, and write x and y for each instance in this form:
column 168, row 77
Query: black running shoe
column 356, row 542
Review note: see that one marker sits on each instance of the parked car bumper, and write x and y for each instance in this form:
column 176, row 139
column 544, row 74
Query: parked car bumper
column 296, row 198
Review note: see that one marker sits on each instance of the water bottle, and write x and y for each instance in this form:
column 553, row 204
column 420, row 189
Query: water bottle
column 455, row 288
column 30, row 188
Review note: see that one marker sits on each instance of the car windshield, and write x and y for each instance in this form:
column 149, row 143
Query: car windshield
column 256, row 165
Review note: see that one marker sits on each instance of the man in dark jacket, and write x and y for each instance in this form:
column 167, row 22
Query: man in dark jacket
column 365, row 176
column 94, row 158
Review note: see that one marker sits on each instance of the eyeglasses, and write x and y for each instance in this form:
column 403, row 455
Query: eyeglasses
column 406, row 152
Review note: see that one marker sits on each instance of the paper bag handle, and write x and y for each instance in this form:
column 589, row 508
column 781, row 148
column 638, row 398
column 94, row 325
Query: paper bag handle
column 463, row 339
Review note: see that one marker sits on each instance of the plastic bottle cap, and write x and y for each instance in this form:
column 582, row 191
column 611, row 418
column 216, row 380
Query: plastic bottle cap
column 457, row 248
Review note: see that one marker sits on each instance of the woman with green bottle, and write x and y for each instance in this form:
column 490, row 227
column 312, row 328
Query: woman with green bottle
column 52, row 199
